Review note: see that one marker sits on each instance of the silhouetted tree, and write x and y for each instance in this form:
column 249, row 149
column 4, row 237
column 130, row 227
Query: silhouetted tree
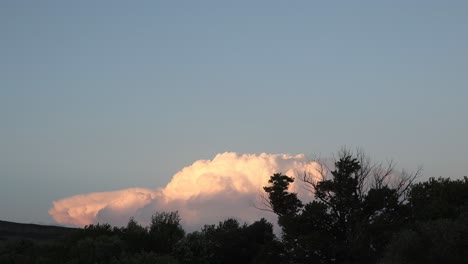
column 439, row 198
column 282, row 202
column 431, row 242
column 165, row 231
column 136, row 237
column 195, row 248
column 361, row 213
column 352, row 216
column 230, row 242
column 438, row 226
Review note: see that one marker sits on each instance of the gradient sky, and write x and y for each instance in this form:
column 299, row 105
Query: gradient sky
column 105, row 95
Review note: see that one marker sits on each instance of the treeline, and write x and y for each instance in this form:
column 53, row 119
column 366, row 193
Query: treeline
column 164, row 241
column 361, row 213
column 365, row 213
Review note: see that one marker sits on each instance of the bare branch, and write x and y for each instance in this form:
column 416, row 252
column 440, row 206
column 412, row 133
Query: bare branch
column 265, row 203
column 406, row 181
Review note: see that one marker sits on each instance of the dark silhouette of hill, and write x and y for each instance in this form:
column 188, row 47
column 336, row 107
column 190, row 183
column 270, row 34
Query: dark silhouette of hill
column 18, row 231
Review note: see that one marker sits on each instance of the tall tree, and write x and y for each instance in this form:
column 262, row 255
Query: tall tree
column 357, row 205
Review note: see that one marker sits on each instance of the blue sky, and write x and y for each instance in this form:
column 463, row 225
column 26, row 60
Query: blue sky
column 103, row 95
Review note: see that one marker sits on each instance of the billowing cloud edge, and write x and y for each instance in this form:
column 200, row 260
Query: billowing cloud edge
column 207, row 191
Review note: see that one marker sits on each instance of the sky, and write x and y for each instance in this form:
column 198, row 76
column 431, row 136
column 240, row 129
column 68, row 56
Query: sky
column 100, row 96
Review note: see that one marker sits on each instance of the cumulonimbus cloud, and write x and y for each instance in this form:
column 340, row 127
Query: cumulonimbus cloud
column 205, row 192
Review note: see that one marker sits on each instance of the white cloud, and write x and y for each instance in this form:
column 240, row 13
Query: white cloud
column 205, row 192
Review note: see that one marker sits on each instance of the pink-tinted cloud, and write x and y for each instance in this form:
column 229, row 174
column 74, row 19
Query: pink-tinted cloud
column 205, row 192
column 83, row 209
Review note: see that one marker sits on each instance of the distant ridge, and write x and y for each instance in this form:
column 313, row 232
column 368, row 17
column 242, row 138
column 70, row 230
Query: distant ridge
column 18, row 231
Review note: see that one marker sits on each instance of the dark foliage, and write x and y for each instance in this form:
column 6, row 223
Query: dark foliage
column 345, row 223
column 165, row 230
column 438, row 230
column 164, row 241
column 359, row 214
column 229, row 242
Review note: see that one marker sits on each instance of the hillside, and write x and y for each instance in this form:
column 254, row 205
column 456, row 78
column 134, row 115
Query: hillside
column 16, row 231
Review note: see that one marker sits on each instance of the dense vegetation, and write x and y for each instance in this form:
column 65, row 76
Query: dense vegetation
column 361, row 214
